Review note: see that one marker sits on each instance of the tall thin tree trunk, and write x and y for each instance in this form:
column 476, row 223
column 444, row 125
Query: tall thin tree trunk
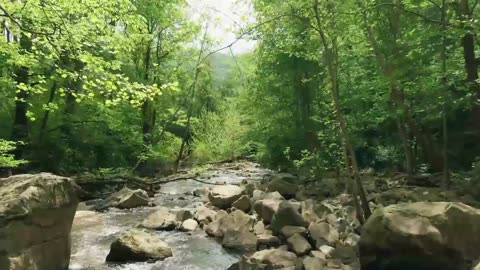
column 331, row 60
column 443, row 56
column 47, row 112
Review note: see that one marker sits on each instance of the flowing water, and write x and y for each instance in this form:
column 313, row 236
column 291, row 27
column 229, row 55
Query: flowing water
column 92, row 233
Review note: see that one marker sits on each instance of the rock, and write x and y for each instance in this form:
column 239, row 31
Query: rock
column 313, row 263
column 313, row 212
column 240, row 240
column 295, row 204
column 299, row 244
column 202, row 193
column 213, row 228
column 323, row 233
column 334, row 264
column 138, row 246
column 284, row 184
column 259, row 228
column 318, row 254
column 243, row 203
column 161, row 219
column 182, row 214
column 444, row 235
column 258, row 195
column 327, row 250
column 224, row 196
column 249, row 189
column 265, row 209
column 287, row 215
column 268, row 241
column 345, row 253
column 269, row 259
column 189, row 225
column 289, row 231
column 273, row 196
column 352, row 239
column 126, row 199
column 36, row 215
column 204, row 215
column 86, row 219
column 235, row 221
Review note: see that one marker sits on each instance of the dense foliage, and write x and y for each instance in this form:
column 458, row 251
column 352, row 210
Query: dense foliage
column 331, row 86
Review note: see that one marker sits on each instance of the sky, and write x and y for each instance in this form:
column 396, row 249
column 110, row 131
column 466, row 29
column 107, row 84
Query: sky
column 224, row 19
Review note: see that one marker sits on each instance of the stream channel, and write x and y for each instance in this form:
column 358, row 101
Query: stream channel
column 93, row 232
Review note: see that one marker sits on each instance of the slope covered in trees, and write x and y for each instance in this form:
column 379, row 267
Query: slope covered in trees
column 332, row 86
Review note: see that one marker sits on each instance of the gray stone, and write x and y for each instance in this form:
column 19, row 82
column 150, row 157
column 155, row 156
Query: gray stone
column 268, row 241
column 299, row 245
column 265, row 209
column 36, row 215
column 287, row 215
column 289, row 231
column 189, row 225
column 243, row 203
column 138, row 246
column 240, row 240
column 323, row 233
column 161, row 219
column 313, row 263
column 126, row 199
column 270, row 259
column 224, row 196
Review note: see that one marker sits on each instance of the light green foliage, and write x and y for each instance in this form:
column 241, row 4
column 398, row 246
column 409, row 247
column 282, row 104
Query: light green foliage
column 6, row 157
column 219, row 135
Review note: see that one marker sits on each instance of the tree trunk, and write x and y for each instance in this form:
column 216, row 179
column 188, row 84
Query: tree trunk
column 331, row 58
column 47, row 112
column 443, row 56
column 20, row 121
column 147, row 123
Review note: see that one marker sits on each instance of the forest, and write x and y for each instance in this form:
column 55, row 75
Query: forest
column 136, row 86
column 368, row 98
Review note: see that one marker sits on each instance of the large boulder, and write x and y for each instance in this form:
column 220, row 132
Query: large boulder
column 240, row 240
column 236, row 221
column 224, row 196
column 287, row 215
column 269, row 259
column 36, row 215
column 138, row 246
column 161, row 219
column 284, row 184
column 438, row 235
column 265, row 209
column 126, row 199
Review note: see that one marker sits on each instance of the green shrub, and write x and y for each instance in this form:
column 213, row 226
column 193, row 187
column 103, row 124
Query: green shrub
column 6, row 158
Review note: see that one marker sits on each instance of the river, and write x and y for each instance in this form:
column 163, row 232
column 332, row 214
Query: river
column 92, row 233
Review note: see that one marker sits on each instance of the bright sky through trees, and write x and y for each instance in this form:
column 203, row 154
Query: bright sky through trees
column 225, row 18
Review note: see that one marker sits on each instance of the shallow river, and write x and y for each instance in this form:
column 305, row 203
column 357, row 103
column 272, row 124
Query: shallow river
column 92, row 233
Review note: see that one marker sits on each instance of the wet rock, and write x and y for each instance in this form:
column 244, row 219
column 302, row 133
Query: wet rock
column 240, row 240
column 161, row 219
column 265, row 209
column 313, row 212
column 36, row 215
column 287, row 215
column 299, row 244
column 268, row 241
column 289, row 231
column 189, row 225
column 440, row 234
column 126, row 199
column 224, row 196
column 138, row 246
column 269, row 259
column 313, row 263
column 243, row 203
column 284, row 184
column 204, row 215
column 323, row 233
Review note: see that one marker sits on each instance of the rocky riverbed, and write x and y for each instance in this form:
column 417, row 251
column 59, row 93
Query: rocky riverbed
column 93, row 232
